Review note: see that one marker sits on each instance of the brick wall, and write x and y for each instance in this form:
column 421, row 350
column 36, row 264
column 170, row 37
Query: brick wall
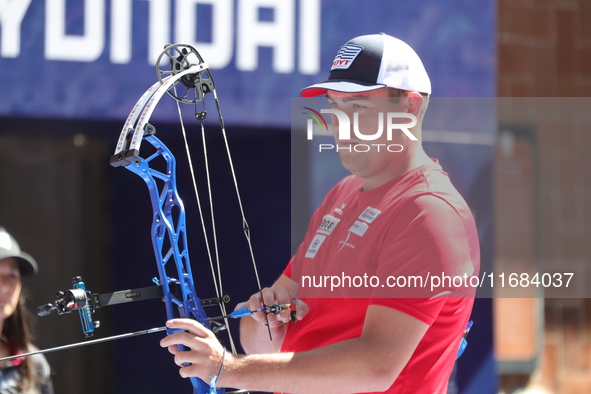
column 544, row 50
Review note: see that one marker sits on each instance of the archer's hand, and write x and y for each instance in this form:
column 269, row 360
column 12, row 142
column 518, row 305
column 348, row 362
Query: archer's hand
column 203, row 352
column 277, row 294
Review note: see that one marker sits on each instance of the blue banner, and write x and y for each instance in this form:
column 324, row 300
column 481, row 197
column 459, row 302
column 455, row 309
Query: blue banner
column 92, row 59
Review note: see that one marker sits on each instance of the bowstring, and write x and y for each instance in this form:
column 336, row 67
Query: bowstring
column 218, row 287
column 245, row 226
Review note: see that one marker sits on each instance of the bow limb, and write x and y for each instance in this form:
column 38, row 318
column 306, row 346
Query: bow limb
column 127, row 150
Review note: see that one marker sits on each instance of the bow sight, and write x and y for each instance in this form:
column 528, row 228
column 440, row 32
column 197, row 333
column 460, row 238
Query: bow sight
column 86, row 303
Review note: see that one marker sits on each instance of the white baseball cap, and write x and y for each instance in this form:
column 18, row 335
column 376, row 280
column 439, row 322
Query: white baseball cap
column 10, row 248
column 371, row 62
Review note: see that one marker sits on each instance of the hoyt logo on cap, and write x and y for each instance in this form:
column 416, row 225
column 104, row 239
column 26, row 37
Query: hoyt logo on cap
column 345, row 57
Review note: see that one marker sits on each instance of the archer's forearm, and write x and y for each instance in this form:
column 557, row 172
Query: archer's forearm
column 332, row 369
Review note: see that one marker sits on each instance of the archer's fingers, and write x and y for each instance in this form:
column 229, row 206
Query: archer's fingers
column 180, row 338
column 195, row 345
column 269, row 297
column 173, row 349
column 185, row 338
column 257, row 301
column 302, row 309
column 192, row 357
column 190, row 325
column 188, row 371
column 272, row 296
column 282, row 296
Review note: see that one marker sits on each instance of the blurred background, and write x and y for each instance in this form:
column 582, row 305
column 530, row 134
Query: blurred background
column 70, row 72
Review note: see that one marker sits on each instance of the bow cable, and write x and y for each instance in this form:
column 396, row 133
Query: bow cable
column 245, row 226
column 218, row 287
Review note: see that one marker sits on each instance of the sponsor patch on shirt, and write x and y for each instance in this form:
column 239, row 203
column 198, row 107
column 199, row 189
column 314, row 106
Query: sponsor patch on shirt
column 329, row 222
column 359, row 228
column 315, row 245
column 369, row 214
column 345, row 57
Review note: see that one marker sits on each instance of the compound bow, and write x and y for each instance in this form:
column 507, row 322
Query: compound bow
column 188, row 73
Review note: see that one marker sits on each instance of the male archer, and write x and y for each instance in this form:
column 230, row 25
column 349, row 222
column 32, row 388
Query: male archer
column 396, row 216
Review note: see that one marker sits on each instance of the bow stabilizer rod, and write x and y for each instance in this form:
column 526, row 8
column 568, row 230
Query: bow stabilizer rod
column 86, row 303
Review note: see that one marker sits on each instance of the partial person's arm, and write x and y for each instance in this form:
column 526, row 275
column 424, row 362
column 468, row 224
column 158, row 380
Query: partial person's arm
column 388, row 340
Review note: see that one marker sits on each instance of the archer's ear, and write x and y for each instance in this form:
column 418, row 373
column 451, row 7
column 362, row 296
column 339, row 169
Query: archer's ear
column 415, row 101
